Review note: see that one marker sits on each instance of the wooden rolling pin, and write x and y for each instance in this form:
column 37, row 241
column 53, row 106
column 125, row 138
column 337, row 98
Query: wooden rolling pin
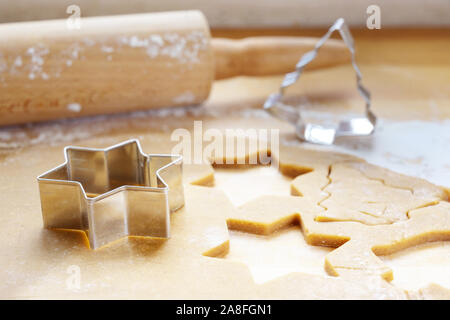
column 131, row 62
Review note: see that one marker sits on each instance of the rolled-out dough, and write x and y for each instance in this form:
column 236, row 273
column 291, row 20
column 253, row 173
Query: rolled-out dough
column 338, row 201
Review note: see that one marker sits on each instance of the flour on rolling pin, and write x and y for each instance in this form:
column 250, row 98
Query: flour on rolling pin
column 32, row 61
column 184, row 49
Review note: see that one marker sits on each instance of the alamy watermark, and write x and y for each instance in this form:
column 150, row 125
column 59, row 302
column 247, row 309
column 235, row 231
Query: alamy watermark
column 73, row 281
column 229, row 146
column 374, row 19
column 73, row 22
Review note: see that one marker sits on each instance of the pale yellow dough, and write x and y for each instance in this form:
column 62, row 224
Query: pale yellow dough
column 338, row 200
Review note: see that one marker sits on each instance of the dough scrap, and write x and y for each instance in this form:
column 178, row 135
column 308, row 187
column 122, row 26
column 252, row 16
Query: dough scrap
column 385, row 213
column 357, row 244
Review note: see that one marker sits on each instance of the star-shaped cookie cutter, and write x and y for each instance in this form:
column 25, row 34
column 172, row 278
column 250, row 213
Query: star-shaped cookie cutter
column 316, row 133
column 112, row 193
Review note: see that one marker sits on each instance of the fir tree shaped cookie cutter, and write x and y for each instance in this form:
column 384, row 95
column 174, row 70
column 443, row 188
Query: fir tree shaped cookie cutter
column 316, row 133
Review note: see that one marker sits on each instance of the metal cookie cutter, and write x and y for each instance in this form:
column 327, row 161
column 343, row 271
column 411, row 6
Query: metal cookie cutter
column 313, row 132
column 112, row 193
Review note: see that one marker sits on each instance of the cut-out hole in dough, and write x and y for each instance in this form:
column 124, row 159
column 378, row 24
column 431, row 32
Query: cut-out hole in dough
column 281, row 253
column 418, row 266
column 243, row 185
